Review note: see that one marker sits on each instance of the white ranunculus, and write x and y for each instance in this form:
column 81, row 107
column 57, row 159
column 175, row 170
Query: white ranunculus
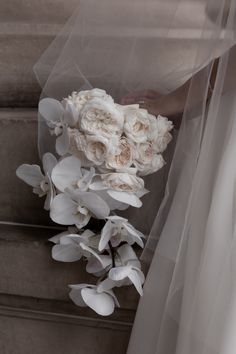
column 102, row 302
column 123, row 157
column 117, row 230
column 147, row 161
column 69, row 174
column 137, row 124
column 76, row 208
column 41, row 183
column 80, row 99
column 122, row 186
column 102, row 118
column 159, row 133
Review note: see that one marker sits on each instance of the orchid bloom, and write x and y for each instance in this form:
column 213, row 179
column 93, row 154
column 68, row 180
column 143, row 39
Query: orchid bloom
column 102, row 302
column 126, row 272
column 117, row 230
column 69, row 174
column 41, row 183
column 58, row 119
column 77, row 207
column 70, row 247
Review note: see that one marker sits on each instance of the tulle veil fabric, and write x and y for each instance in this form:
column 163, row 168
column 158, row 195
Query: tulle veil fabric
column 189, row 302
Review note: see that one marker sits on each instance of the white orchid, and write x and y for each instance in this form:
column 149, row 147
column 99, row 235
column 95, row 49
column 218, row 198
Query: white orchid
column 117, row 230
column 69, row 174
column 70, row 247
column 58, row 119
column 126, row 272
column 70, row 230
column 102, row 302
column 41, row 183
column 76, row 208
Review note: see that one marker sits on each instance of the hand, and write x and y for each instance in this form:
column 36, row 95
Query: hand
column 148, row 99
column 155, row 103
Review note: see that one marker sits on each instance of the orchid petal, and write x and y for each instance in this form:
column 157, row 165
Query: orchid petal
column 30, row 174
column 63, row 210
column 101, row 303
column 76, row 297
column 95, row 265
column 51, row 109
column 127, row 254
column 49, row 162
column 119, row 273
column 63, row 142
column 66, row 173
column 135, row 278
column 66, row 253
column 106, row 285
column 50, row 195
column 106, row 234
column 56, row 239
column 125, row 197
column 94, row 203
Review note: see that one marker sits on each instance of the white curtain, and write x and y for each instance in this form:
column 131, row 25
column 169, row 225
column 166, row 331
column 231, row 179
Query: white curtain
column 189, row 297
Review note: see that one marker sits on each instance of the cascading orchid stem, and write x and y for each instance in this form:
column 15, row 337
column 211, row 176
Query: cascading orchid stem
column 112, row 254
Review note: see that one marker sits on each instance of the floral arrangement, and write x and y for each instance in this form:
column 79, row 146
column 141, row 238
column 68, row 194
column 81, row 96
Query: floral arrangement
column 104, row 151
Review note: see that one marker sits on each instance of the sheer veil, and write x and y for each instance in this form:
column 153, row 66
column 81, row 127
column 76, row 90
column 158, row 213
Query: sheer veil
column 122, row 46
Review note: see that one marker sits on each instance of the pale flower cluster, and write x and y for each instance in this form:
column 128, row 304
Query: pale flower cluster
column 104, row 151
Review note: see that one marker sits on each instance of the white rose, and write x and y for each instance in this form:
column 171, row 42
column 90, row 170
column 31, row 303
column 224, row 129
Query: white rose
column 92, row 149
column 137, row 124
column 77, row 145
column 79, row 99
column 147, row 161
column 98, row 148
column 123, row 157
column 160, row 142
column 100, row 117
column 159, row 133
column 123, row 182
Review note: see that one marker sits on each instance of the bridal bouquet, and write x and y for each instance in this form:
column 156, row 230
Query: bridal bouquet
column 104, row 151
